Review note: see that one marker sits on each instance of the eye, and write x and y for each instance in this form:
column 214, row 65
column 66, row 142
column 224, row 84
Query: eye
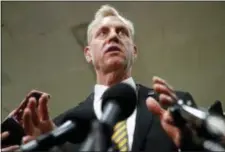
column 103, row 32
column 122, row 32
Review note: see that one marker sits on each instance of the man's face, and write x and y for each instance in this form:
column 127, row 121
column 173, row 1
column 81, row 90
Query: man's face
column 111, row 45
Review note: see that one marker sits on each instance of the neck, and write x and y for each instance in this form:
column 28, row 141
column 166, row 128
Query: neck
column 111, row 78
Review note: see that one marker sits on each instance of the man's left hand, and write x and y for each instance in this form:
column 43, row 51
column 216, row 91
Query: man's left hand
column 166, row 97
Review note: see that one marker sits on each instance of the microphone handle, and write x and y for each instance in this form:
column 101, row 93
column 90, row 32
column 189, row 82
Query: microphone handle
column 99, row 138
column 46, row 141
column 40, row 144
column 111, row 112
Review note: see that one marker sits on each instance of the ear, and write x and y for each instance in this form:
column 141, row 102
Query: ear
column 87, row 54
column 135, row 53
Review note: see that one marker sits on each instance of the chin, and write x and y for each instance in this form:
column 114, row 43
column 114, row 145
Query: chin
column 115, row 63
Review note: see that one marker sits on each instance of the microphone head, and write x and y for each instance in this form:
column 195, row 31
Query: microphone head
column 124, row 96
column 216, row 108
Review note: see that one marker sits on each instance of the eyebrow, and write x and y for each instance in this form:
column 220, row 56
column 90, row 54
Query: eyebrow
column 124, row 28
column 103, row 27
column 100, row 28
column 117, row 27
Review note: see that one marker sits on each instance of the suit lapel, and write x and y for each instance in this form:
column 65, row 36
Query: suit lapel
column 143, row 120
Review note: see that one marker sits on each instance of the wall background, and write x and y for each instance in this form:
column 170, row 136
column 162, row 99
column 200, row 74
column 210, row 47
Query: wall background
column 183, row 42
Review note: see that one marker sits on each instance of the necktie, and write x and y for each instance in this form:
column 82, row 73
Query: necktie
column 120, row 137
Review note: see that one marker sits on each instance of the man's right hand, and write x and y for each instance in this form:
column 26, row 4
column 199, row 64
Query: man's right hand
column 35, row 118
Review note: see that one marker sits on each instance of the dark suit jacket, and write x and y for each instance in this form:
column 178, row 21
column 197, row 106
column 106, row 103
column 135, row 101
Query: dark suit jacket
column 148, row 135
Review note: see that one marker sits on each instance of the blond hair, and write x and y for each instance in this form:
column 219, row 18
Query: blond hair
column 106, row 11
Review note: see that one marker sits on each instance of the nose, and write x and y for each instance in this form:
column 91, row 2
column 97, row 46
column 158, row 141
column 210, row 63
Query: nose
column 113, row 37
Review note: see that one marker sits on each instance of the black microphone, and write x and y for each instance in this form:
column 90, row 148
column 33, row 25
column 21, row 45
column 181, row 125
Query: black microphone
column 214, row 124
column 208, row 126
column 118, row 103
column 69, row 131
column 48, row 140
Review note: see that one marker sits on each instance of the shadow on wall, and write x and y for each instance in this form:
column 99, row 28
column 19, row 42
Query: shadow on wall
column 80, row 33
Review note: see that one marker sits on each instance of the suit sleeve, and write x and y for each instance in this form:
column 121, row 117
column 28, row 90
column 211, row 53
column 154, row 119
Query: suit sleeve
column 60, row 119
column 67, row 146
column 84, row 112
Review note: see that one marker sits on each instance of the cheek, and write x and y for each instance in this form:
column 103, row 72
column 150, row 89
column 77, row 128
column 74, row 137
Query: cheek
column 129, row 49
column 96, row 51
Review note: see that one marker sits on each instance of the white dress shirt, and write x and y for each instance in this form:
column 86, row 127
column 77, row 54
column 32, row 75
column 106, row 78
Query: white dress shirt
column 98, row 92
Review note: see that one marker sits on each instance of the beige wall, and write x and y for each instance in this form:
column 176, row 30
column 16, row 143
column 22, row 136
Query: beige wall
column 183, row 42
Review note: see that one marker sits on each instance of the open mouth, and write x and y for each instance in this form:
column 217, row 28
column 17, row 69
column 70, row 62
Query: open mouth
column 113, row 49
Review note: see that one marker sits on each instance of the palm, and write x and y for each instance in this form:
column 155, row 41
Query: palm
column 45, row 126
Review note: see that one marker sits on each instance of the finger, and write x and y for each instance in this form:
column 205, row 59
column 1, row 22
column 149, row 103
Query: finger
column 35, row 94
column 159, row 88
column 154, row 106
column 25, row 101
column 28, row 138
column 165, row 99
column 159, row 80
column 32, row 106
column 19, row 111
column 4, row 135
column 32, row 92
column 27, row 122
column 10, row 148
column 21, row 107
column 43, row 107
column 167, row 117
column 173, row 132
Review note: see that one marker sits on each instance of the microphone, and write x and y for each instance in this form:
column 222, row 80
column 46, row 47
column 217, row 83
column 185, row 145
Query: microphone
column 214, row 124
column 48, row 140
column 208, row 126
column 118, row 103
column 216, row 108
column 69, row 131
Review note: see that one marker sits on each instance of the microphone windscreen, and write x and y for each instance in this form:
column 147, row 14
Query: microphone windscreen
column 124, row 96
column 216, row 108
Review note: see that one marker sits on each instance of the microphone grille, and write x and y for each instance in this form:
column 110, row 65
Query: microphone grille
column 123, row 95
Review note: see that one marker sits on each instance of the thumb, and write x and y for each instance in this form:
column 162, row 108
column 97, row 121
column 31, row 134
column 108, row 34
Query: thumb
column 10, row 148
column 154, row 106
column 173, row 132
column 165, row 118
column 27, row 138
column 4, row 135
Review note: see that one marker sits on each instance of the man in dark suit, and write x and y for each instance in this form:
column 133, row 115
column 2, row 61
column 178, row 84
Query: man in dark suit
column 111, row 51
column 148, row 133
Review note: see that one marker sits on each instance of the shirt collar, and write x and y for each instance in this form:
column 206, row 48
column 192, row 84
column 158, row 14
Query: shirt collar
column 100, row 89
